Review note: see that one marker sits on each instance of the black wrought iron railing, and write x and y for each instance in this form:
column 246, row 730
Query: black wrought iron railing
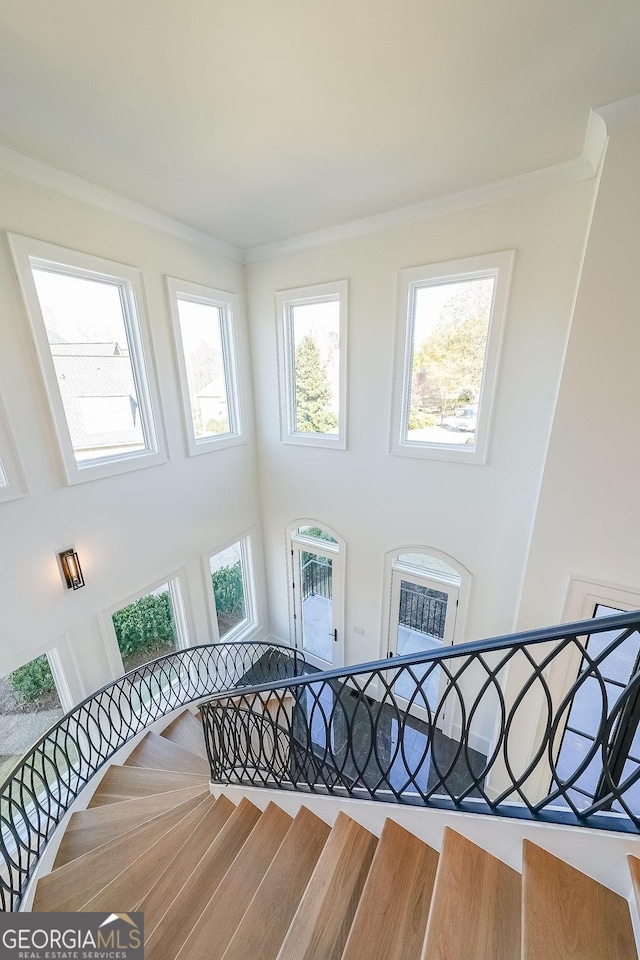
column 543, row 724
column 422, row 609
column 316, row 579
column 47, row 780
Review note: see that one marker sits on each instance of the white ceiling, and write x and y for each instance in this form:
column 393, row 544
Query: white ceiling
column 258, row 120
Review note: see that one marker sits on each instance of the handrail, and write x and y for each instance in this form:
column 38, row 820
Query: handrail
column 46, row 781
column 490, row 726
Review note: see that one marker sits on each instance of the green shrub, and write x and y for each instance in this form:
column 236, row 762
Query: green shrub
column 34, row 680
column 418, row 421
column 144, row 624
column 217, row 425
column 228, row 590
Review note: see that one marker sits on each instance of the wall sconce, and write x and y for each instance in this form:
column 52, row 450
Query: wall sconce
column 71, row 569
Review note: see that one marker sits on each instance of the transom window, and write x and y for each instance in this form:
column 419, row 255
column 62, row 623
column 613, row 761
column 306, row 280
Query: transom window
column 232, row 590
column 449, row 332
column 205, row 337
column 92, row 343
column 312, row 354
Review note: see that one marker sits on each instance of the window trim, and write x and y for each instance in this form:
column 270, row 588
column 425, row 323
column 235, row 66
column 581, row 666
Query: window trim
column 285, row 300
column 178, row 592
column 229, row 305
column 10, row 465
column 252, row 599
column 498, row 265
column 27, row 253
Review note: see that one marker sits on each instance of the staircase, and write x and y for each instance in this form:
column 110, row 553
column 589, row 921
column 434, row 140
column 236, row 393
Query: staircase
column 222, row 881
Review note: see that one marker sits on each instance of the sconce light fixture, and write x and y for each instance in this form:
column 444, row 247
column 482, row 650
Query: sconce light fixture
column 71, row 569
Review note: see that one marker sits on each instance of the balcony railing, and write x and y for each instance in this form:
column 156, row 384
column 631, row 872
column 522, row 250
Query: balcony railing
column 47, row 780
column 543, row 724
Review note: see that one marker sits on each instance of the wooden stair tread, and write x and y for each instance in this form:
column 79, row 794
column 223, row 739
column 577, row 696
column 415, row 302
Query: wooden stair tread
column 68, row 887
column 178, row 870
column 634, row 870
column 165, row 941
column 161, row 754
column 132, row 883
column 186, row 732
column 129, row 783
column 268, row 917
column 475, row 908
column 393, row 927
column 221, row 915
column 568, row 915
column 88, row 829
column 322, row 921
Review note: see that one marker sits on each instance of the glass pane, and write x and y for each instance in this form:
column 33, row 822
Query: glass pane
column 316, row 341
column 201, row 330
column 86, row 330
column 316, row 578
column 450, row 330
column 425, row 563
column 227, row 578
column 421, row 620
column 29, row 705
column 3, row 477
column 318, row 533
column 146, row 629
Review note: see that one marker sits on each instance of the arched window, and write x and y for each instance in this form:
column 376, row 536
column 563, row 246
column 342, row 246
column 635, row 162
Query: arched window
column 316, row 557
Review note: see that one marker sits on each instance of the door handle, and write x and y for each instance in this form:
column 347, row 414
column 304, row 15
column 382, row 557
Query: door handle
column 335, row 636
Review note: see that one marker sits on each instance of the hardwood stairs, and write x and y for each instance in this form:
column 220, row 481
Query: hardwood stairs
column 218, row 881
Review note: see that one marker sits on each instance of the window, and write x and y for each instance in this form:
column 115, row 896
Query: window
column 232, row 590
column 11, row 479
column 92, row 343
column 312, row 353
column 317, row 594
column 205, row 338
column 29, row 704
column 450, row 321
column 149, row 626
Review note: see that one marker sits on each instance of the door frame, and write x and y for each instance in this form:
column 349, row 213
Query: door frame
column 297, row 543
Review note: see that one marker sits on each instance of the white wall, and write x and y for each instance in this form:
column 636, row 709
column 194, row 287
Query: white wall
column 481, row 515
column 129, row 530
column 589, row 511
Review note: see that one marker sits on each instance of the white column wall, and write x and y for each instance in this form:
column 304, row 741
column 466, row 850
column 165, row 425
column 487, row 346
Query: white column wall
column 588, row 515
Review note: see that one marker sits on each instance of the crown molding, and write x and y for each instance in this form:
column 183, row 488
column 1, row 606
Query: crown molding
column 27, row 168
column 546, row 178
column 621, row 115
column 603, row 121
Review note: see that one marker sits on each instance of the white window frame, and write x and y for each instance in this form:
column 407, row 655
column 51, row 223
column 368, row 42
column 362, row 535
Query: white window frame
column 10, row 466
column 297, row 542
column 229, row 306
column 286, row 300
column 496, row 265
column 181, row 612
column 29, row 254
column 63, row 667
column 251, row 623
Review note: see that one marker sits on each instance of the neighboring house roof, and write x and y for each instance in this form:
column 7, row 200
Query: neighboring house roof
column 112, row 349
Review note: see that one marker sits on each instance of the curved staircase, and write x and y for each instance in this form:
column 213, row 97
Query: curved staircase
column 219, row 881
